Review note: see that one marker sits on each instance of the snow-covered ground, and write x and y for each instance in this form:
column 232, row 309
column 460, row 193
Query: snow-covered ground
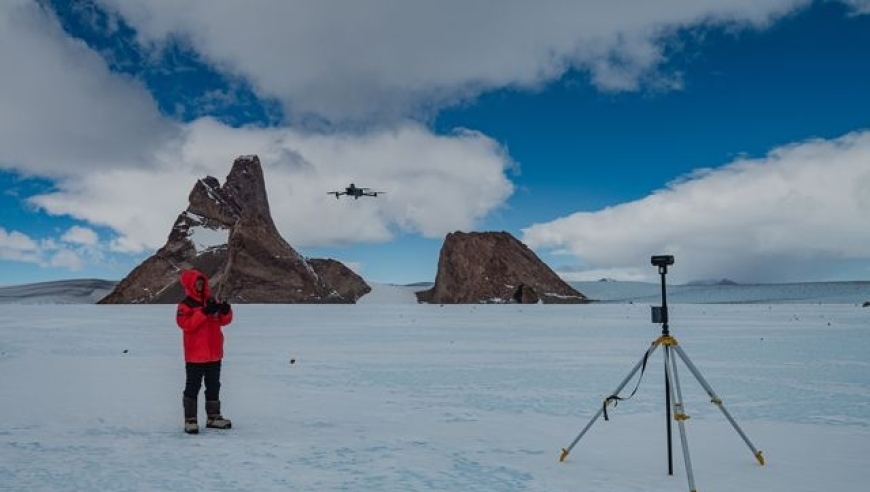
column 391, row 294
column 406, row 397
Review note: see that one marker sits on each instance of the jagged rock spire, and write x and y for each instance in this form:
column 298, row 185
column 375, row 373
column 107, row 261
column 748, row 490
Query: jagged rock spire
column 227, row 232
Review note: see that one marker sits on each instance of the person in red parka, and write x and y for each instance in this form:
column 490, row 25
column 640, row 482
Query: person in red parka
column 200, row 317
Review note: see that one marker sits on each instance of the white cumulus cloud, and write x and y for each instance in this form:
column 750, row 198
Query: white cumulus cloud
column 68, row 259
column 80, row 235
column 17, row 246
column 15, row 241
column 375, row 59
column 116, row 162
column 433, row 184
column 800, row 210
column 63, row 111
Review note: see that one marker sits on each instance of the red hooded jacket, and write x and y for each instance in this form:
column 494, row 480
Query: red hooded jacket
column 203, row 338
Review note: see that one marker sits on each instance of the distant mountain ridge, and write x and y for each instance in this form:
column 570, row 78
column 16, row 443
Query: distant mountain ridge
column 713, row 281
column 77, row 291
column 851, row 292
column 88, row 291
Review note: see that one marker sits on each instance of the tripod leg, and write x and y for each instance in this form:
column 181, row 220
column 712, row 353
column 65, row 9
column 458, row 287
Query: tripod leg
column 566, row 451
column 680, row 416
column 667, row 356
column 718, row 402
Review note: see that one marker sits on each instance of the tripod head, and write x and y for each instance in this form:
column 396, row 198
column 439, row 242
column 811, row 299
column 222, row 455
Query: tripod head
column 662, row 261
column 660, row 313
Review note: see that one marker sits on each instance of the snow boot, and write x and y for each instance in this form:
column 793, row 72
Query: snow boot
column 190, row 424
column 215, row 419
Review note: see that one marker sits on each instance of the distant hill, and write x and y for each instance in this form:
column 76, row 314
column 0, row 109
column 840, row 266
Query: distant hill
column 78, row 291
column 728, row 292
column 425, row 285
column 720, row 281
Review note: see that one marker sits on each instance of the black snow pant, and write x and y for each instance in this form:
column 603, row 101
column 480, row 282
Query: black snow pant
column 199, row 371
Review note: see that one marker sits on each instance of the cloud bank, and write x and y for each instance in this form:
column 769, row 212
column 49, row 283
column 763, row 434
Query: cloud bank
column 433, row 184
column 385, row 65
column 117, row 162
column 386, row 59
column 801, row 210
column 75, row 248
column 64, row 112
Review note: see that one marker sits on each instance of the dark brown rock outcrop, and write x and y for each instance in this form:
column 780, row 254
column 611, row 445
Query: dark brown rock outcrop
column 345, row 281
column 227, row 232
column 494, row 267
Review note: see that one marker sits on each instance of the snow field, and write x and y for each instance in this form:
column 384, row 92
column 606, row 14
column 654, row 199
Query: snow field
column 414, row 397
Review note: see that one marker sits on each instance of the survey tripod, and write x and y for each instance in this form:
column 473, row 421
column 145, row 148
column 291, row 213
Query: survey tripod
column 673, row 393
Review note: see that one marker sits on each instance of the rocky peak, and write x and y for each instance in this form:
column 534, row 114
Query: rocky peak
column 494, row 267
column 227, row 232
column 242, row 195
column 207, row 200
column 246, row 188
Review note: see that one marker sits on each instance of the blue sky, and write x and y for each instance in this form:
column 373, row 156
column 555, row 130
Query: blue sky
column 732, row 134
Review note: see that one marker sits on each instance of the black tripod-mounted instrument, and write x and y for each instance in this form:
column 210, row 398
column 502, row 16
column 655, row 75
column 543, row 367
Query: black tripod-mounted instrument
column 673, row 394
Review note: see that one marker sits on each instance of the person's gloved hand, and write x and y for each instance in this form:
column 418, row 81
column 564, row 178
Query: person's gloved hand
column 224, row 307
column 211, row 307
